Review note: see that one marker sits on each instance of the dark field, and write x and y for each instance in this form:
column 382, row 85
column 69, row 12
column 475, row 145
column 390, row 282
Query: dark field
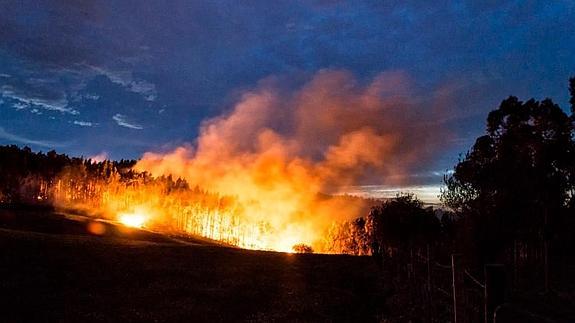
column 51, row 269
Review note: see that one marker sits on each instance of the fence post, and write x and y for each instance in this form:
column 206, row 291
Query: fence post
column 429, row 303
column 515, row 264
column 410, row 266
column 428, row 254
column 546, row 263
column 457, row 271
column 494, row 289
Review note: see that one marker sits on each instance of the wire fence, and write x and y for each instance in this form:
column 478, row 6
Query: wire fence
column 450, row 290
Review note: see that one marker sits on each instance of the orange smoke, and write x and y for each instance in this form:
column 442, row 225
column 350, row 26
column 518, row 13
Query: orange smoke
column 276, row 151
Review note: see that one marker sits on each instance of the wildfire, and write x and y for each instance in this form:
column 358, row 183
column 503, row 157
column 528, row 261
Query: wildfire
column 135, row 220
column 260, row 171
column 276, row 153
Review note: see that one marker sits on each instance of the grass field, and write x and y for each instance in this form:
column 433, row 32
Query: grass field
column 52, row 269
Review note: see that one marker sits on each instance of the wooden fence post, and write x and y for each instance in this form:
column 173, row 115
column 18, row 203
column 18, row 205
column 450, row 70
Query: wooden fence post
column 494, row 289
column 457, row 272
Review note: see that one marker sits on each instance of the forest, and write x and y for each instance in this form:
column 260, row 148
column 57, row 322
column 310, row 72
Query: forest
column 106, row 189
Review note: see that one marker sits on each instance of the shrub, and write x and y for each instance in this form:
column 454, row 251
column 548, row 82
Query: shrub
column 302, row 248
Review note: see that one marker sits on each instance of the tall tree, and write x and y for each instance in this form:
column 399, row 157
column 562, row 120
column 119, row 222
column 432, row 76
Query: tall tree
column 519, row 177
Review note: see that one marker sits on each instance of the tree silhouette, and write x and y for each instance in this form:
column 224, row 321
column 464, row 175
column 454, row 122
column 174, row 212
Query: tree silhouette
column 401, row 225
column 516, row 180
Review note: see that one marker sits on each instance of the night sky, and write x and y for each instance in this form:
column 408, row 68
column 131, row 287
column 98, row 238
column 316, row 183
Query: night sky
column 120, row 78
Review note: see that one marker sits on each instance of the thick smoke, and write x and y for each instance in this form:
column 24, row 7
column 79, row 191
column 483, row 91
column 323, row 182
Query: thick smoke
column 277, row 150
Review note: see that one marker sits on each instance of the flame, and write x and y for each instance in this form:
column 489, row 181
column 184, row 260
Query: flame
column 135, row 220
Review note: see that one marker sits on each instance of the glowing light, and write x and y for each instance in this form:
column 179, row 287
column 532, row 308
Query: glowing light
column 134, row 220
column 286, row 245
column 96, row 228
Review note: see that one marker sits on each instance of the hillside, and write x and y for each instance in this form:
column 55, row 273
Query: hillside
column 55, row 271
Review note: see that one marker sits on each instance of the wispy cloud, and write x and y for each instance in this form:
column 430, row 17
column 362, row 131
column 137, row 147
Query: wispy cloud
column 20, row 106
column 126, row 79
column 90, row 96
column 23, row 140
column 83, row 123
column 58, row 104
column 121, row 121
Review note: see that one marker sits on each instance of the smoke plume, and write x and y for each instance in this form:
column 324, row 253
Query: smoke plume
column 277, row 150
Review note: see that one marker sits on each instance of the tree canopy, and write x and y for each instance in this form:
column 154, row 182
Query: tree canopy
column 519, row 178
column 401, row 223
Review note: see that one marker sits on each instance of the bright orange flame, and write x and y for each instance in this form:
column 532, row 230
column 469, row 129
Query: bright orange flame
column 134, row 220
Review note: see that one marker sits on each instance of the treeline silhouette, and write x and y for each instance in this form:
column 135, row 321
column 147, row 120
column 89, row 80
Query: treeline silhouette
column 28, row 177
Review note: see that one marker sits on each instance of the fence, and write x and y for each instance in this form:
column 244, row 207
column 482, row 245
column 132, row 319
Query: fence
column 452, row 292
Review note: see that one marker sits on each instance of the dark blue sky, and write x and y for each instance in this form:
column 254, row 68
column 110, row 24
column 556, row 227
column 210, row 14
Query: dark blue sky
column 125, row 77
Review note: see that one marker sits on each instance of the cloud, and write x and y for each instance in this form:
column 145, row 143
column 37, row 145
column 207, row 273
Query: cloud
column 121, row 121
column 20, row 106
column 48, row 51
column 126, row 79
column 91, row 96
column 23, row 140
column 83, row 123
column 30, row 96
column 41, row 31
